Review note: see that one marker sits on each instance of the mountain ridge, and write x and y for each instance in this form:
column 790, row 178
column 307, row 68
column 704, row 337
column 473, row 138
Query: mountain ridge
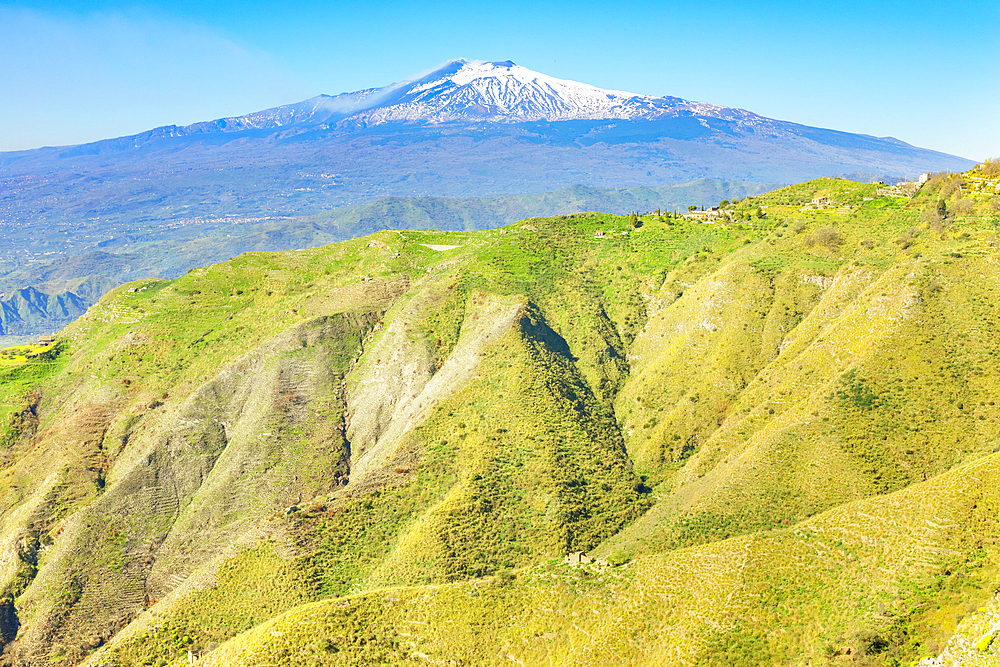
column 28, row 311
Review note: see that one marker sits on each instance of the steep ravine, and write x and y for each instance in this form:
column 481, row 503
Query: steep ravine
column 245, row 444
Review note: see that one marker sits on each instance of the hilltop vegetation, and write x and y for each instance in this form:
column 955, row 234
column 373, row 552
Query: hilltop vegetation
column 779, row 429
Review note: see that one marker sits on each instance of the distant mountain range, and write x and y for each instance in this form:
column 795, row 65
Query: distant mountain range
column 28, row 311
column 466, row 130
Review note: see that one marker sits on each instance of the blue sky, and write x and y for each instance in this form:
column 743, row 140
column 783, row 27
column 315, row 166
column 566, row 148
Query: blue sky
column 927, row 73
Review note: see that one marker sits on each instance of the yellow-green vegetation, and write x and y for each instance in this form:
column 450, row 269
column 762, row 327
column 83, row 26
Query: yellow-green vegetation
column 838, row 581
column 779, row 429
column 20, row 354
column 22, row 368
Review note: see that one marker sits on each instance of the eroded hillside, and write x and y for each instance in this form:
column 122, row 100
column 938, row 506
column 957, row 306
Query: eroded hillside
column 778, row 429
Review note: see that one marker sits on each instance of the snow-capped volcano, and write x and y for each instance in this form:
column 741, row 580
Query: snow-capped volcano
column 503, row 92
column 478, row 92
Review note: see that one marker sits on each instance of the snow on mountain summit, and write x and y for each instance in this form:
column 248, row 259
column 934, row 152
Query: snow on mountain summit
column 506, row 92
column 477, row 92
column 503, row 92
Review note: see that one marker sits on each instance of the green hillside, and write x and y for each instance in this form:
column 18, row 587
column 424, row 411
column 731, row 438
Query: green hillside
column 777, row 431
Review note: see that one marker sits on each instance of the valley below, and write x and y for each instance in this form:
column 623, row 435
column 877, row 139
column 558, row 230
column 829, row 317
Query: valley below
column 584, row 439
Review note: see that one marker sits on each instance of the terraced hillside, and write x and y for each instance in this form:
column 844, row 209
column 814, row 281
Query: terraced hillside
column 779, row 430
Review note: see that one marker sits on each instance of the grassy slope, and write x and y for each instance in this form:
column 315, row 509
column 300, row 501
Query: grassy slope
column 832, row 373
column 743, row 363
column 141, row 389
column 864, row 576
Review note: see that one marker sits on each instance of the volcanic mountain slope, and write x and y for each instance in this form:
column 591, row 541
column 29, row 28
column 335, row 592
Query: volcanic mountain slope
column 499, row 92
column 780, row 431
